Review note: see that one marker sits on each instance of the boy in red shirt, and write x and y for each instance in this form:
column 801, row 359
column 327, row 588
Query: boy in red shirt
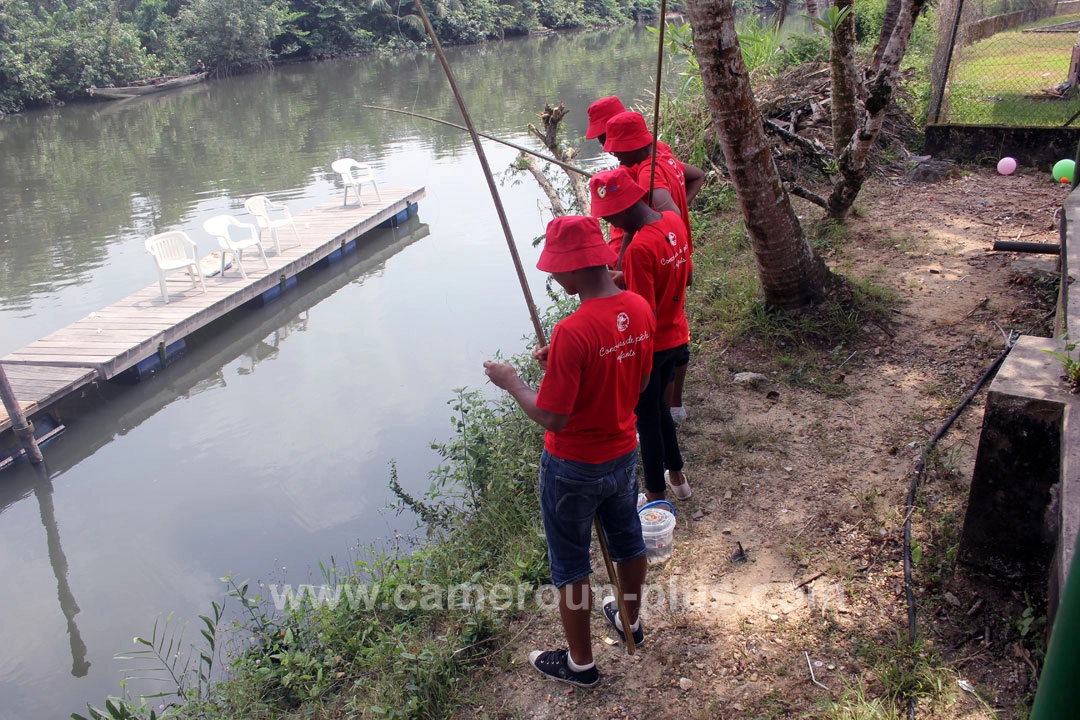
column 600, row 112
column 629, row 140
column 688, row 180
column 655, row 266
column 674, row 184
column 598, row 362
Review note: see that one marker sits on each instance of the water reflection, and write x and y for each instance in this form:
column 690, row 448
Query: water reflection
column 43, row 489
column 267, row 446
column 236, row 343
column 111, row 174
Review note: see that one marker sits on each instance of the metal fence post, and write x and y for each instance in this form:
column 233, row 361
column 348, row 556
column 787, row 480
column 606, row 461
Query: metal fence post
column 933, row 114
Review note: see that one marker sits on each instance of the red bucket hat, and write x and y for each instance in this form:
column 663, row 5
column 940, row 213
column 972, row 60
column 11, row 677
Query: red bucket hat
column 626, row 132
column 599, row 113
column 574, row 242
column 613, row 191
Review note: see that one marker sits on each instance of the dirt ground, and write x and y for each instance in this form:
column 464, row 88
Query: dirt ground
column 812, row 486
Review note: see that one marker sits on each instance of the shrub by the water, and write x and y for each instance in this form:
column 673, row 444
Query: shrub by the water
column 391, row 634
column 54, row 51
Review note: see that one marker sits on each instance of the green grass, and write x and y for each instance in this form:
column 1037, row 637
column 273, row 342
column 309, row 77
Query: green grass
column 994, row 79
column 724, row 304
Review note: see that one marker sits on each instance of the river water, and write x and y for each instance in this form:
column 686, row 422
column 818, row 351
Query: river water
column 267, row 447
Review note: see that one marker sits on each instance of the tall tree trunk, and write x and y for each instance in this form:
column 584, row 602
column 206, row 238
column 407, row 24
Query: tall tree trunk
column 812, row 10
column 888, row 24
column 791, row 273
column 852, row 158
column 781, row 13
column 844, row 78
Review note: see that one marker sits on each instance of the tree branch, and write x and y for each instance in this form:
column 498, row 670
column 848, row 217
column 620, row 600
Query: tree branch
column 814, row 149
column 802, row 192
column 557, row 208
column 579, row 184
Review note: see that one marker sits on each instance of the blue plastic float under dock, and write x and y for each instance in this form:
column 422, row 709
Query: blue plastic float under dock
column 138, row 330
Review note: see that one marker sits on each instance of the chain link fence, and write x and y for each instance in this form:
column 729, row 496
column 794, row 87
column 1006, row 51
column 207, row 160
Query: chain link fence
column 1006, row 62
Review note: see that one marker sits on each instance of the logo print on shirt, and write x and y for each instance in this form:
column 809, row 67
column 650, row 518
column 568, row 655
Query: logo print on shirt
column 622, row 321
column 671, row 239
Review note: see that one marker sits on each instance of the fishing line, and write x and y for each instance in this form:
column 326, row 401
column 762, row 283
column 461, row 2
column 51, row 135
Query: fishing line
column 520, row 148
column 414, row 56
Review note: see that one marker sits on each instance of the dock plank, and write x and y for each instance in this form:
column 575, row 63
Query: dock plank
column 107, row 342
column 39, row 389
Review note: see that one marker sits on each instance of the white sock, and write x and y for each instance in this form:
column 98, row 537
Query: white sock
column 618, row 623
column 578, row 668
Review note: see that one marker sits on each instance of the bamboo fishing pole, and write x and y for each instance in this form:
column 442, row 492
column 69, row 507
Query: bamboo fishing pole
column 560, row 163
column 656, row 100
column 540, row 336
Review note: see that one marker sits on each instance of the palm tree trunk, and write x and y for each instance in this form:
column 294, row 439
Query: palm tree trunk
column 888, row 24
column 844, row 78
column 790, row 272
column 852, row 158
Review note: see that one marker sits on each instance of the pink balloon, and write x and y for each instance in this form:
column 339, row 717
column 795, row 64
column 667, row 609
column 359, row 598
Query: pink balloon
column 1006, row 166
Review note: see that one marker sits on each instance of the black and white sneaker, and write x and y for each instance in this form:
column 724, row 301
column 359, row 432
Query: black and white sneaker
column 554, row 664
column 611, row 610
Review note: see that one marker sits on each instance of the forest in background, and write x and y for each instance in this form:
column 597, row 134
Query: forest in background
column 52, row 51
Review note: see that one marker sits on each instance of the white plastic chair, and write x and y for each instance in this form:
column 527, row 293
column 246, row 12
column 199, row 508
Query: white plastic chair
column 262, row 209
column 353, row 175
column 221, row 226
column 174, row 251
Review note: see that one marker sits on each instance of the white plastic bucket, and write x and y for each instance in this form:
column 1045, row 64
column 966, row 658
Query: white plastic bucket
column 657, row 530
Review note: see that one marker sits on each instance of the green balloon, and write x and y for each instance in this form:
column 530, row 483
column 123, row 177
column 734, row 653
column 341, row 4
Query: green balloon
column 1063, row 170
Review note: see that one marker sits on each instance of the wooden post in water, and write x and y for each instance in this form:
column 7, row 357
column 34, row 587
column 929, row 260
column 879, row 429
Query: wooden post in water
column 19, row 425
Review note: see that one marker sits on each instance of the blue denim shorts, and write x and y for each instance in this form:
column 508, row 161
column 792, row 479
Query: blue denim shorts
column 571, row 493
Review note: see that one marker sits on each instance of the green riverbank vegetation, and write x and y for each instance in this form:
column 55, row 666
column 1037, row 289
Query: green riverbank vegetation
column 402, row 631
column 408, row 625
column 54, row 50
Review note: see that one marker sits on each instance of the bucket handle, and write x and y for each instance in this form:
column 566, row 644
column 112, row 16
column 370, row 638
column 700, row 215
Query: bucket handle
column 658, row 503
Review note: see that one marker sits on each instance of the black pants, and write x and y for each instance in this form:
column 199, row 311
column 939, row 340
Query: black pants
column 656, row 429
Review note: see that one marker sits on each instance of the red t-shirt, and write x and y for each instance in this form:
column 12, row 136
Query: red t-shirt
column 676, row 182
column 670, row 176
column 656, row 266
column 597, row 358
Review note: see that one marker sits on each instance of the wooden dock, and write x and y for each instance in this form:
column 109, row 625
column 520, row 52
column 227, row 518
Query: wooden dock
column 142, row 326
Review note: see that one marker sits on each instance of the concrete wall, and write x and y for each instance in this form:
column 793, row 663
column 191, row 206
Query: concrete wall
column 1024, row 510
column 1038, row 147
column 1070, row 7
column 987, row 27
